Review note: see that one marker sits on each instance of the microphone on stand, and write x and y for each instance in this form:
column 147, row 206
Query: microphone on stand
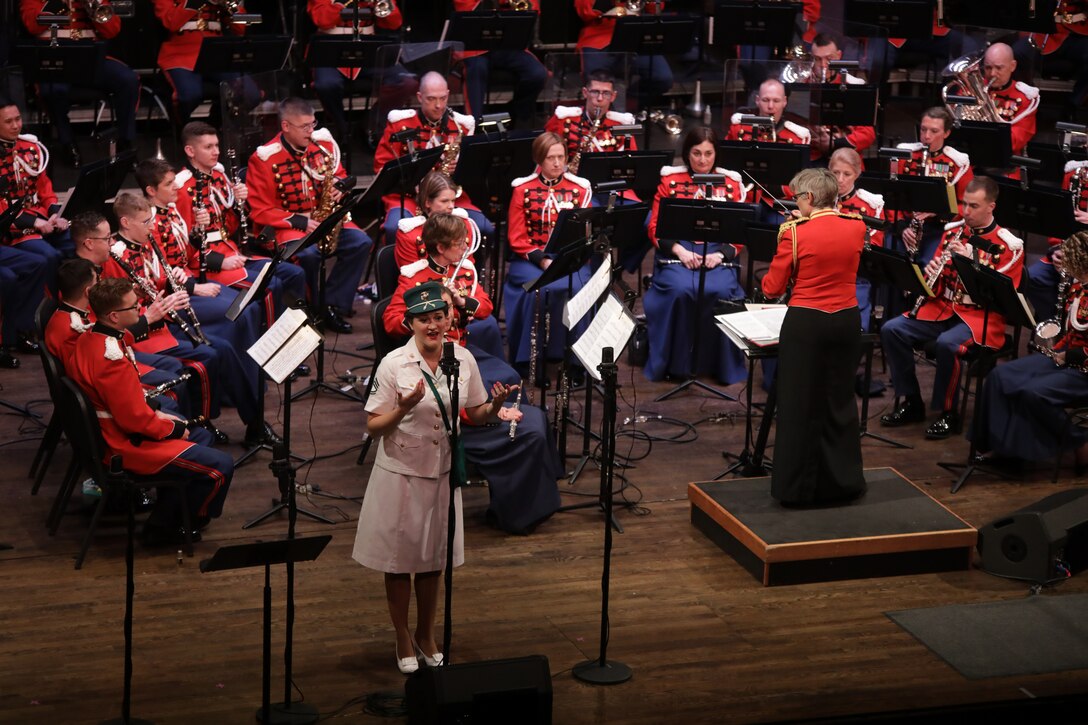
column 448, row 363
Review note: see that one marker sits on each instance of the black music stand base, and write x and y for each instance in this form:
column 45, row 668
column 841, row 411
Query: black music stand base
column 864, row 418
column 612, row 673
column 746, row 464
column 282, row 505
column 295, row 713
column 692, row 382
column 600, row 505
column 969, row 469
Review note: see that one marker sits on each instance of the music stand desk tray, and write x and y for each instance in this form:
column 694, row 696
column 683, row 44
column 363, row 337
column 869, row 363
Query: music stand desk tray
column 896, row 528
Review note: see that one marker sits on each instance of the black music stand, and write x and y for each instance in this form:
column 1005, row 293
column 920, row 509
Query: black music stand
column 752, row 461
column 653, row 35
column 1030, row 17
column 1054, row 158
column 75, row 62
column 883, row 18
column 249, row 54
column 756, row 23
column 640, row 170
column 498, row 155
column 988, row 143
column 267, row 553
column 1037, row 209
column 701, row 220
column 772, row 165
column 996, row 294
column 400, row 176
column 346, row 51
column 906, row 194
column 492, row 29
column 760, row 244
column 898, row 271
column 97, row 184
column 842, row 105
column 347, row 203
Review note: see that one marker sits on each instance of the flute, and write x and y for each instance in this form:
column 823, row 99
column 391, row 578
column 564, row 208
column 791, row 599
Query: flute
column 516, row 406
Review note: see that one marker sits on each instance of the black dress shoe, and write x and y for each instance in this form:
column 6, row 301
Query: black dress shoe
column 303, row 370
column 26, row 344
column 154, row 536
column 333, row 322
column 7, row 360
column 910, row 410
column 944, row 426
column 261, row 434
column 221, row 438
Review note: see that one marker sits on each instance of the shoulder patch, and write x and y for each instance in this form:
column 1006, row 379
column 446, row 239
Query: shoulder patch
column 182, row 177
column 624, row 119
column 118, row 248
column 564, row 112
column 220, row 168
column 953, row 225
column 876, row 201
column 584, row 183
column 730, row 174
column 459, row 212
column 854, row 80
column 409, row 223
column 958, row 156
column 1074, row 165
column 76, row 322
column 1030, row 91
column 28, row 137
column 323, row 134
column 670, row 170
column 522, row 180
column 411, row 270
column 264, row 153
column 735, row 118
column 113, row 349
column 466, row 122
column 400, row 114
column 802, row 132
column 1012, row 241
column 916, row 146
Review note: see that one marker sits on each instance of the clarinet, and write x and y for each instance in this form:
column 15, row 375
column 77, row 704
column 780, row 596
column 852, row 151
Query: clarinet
column 239, row 205
column 198, row 236
column 151, row 293
column 532, row 344
column 517, row 406
column 166, row 387
column 201, row 338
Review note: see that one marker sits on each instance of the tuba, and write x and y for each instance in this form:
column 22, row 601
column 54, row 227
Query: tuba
column 966, row 75
column 799, row 69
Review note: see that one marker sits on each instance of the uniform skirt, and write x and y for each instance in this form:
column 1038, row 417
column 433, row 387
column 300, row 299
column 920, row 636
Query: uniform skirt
column 402, row 525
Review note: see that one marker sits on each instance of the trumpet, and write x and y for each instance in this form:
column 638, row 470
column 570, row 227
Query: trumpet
column 671, row 122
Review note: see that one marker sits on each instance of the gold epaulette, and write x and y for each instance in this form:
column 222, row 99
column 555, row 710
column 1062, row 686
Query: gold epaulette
column 790, row 224
column 850, row 215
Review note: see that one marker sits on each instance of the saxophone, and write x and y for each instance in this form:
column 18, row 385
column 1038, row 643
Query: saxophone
column 586, row 144
column 326, row 206
column 450, row 152
column 1052, row 330
column 935, row 276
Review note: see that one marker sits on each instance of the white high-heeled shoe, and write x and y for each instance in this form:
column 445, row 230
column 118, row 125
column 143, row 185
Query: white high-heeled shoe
column 435, row 661
column 406, row 665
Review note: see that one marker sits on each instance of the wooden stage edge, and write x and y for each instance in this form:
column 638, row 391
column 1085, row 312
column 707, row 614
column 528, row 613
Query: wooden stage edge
column 775, row 561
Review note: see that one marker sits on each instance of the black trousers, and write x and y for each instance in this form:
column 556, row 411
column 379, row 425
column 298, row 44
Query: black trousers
column 817, row 451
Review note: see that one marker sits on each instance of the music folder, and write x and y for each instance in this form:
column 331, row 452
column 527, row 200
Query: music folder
column 842, row 105
column 493, row 29
column 912, row 193
column 250, row 54
column 889, row 18
column 895, row 268
column 286, row 344
column 771, row 164
column 759, row 23
column 1040, row 210
column 994, row 291
column 988, row 143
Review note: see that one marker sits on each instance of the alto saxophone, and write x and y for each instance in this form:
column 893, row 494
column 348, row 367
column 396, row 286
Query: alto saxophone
column 1052, row 330
column 935, row 276
column 326, row 206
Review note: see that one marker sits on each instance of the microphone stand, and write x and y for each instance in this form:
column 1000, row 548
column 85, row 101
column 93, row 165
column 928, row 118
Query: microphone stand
column 451, row 368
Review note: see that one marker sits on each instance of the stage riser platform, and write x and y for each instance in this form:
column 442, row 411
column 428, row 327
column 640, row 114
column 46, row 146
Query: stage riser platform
column 895, row 529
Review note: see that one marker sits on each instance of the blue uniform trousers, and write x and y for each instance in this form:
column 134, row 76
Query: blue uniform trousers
column 899, row 337
column 22, row 286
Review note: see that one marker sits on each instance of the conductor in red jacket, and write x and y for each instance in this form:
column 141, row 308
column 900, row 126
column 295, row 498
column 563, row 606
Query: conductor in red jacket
column 817, row 444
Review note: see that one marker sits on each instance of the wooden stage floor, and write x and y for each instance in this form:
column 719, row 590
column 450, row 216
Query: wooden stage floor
column 706, row 642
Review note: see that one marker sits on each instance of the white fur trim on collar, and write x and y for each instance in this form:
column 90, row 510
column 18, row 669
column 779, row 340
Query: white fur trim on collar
column 670, row 170
column 565, row 112
column 466, row 122
column 624, row 119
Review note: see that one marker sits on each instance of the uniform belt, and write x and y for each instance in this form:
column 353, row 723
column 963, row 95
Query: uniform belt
column 214, row 236
column 103, row 414
column 341, row 30
column 213, row 25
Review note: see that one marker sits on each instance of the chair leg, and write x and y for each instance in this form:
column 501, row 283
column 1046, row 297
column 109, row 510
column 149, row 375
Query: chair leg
column 60, row 503
column 102, row 502
column 45, row 451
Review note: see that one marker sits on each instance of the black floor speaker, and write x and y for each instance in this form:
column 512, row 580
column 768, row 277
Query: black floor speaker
column 1044, row 541
column 492, row 692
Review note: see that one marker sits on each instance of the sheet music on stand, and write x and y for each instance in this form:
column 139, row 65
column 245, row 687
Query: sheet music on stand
column 612, row 327
column 759, row 326
column 241, row 301
column 286, row 344
column 584, row 299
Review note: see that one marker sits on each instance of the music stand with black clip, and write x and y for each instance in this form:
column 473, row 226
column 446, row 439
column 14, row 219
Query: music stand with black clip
column 266, row 553
column 492, row 29
column 702, row 221
column 904, row 194
column 988, row 143
column 318, row 236
column 996, row 294
column 639, row 170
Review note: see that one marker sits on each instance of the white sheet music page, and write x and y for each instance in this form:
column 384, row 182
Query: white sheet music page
column 286, row 344
column 612, row 327
column 583, row 300
column 760, row 326
column 252, row 289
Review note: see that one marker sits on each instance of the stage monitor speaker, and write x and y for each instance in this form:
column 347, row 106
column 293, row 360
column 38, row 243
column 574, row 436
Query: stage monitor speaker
column 1044, row 541
column 492, row 692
